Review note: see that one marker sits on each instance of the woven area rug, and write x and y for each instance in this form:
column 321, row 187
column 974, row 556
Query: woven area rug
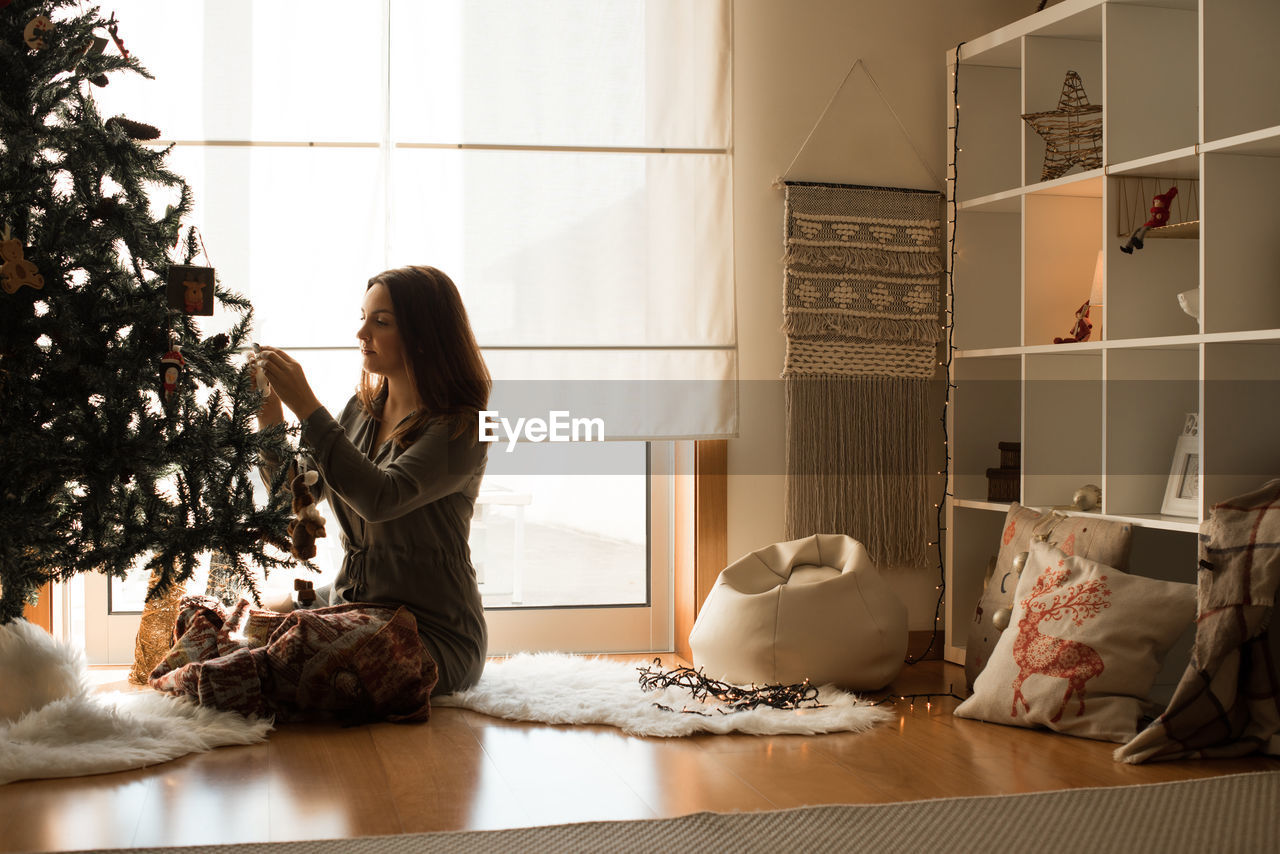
column 862, row 282
column 1221, row 814
column 554, row 688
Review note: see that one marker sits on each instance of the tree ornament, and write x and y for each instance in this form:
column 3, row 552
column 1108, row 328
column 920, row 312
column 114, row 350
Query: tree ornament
column 260, row 381
column 115, row 35
column 308, row 524
column 16, row 270
column 218, row 342
column 171, row 365
column 95, row 46
column 132, row 129
column 190, row 289
column 37, row 28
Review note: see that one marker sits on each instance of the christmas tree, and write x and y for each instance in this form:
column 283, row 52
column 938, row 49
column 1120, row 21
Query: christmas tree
column 126, row 437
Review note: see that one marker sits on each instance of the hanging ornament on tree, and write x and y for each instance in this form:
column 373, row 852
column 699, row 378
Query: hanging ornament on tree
column 171, row 365
column 37, row 28
column 16, row 270
column 96, row 45
column 190, row 287
column 115, row 36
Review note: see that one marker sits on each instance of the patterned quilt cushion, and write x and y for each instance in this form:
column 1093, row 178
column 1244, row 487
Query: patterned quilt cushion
column 1083, row 648
column 1096, row 539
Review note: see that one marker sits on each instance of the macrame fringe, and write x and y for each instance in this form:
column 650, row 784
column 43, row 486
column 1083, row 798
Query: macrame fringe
column 911, row 261
column 824, row 322
column 857, row 464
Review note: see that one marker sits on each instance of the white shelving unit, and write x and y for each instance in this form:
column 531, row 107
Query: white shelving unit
column 1187, row 89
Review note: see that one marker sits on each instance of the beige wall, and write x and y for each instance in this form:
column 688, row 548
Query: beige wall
column 789, row 57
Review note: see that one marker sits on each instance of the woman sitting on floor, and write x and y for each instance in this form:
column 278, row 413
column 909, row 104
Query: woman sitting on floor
column 401, row 468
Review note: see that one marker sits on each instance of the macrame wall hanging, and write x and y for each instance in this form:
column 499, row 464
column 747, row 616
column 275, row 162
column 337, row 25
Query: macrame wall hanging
column 862, row 282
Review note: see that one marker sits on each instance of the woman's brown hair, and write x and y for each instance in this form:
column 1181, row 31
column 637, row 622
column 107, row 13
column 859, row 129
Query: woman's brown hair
column 440, row 352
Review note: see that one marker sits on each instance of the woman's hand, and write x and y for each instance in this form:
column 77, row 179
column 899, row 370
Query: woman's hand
column 288, row 382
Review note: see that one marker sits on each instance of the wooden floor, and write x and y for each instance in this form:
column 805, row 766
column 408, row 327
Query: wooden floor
column 467, row 771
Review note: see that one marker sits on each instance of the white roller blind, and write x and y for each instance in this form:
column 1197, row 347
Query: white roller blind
column 567, row 162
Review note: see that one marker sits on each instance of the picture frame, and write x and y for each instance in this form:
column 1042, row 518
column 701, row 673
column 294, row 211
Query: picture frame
column 1182, row 492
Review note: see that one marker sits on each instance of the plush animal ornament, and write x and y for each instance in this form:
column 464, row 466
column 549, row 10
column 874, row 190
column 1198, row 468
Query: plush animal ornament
column 307, row 525
column 15, row 269
column 1159, row 216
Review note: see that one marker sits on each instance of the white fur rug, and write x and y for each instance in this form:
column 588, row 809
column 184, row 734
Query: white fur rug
column 567, row 689
column 52, row 724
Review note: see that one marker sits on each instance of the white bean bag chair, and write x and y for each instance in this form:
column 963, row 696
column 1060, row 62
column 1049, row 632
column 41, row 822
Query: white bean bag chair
column 814, row 608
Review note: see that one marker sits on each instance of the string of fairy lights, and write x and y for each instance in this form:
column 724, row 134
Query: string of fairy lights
column 728, row 698
column 948, row 353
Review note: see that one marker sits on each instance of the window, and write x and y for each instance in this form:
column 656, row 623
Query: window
column 567, row 162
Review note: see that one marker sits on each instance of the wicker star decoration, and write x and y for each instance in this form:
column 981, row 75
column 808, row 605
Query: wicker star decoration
column 1072, row 133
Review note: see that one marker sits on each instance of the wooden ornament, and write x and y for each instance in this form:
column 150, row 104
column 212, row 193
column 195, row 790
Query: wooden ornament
column 190, row 289
column 37, row 28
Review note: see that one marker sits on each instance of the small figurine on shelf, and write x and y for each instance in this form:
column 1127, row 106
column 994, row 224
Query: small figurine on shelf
column 1082, row 329
column 1159, row 216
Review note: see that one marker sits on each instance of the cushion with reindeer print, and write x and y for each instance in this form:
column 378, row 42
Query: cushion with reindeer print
column 1084, row 645
column 1102, row 540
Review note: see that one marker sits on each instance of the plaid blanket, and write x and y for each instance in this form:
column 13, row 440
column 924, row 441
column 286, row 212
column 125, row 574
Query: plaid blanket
column 1226, row 703
column 349, row 663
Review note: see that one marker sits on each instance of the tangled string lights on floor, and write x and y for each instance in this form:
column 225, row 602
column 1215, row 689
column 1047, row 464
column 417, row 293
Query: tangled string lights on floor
column 704, row 689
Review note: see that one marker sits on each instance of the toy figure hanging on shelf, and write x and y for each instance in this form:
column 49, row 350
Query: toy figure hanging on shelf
column 1082, row 328
column 1160, row 206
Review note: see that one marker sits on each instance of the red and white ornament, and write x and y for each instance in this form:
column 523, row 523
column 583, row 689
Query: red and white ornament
column 171, row 365
column 37, row 28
